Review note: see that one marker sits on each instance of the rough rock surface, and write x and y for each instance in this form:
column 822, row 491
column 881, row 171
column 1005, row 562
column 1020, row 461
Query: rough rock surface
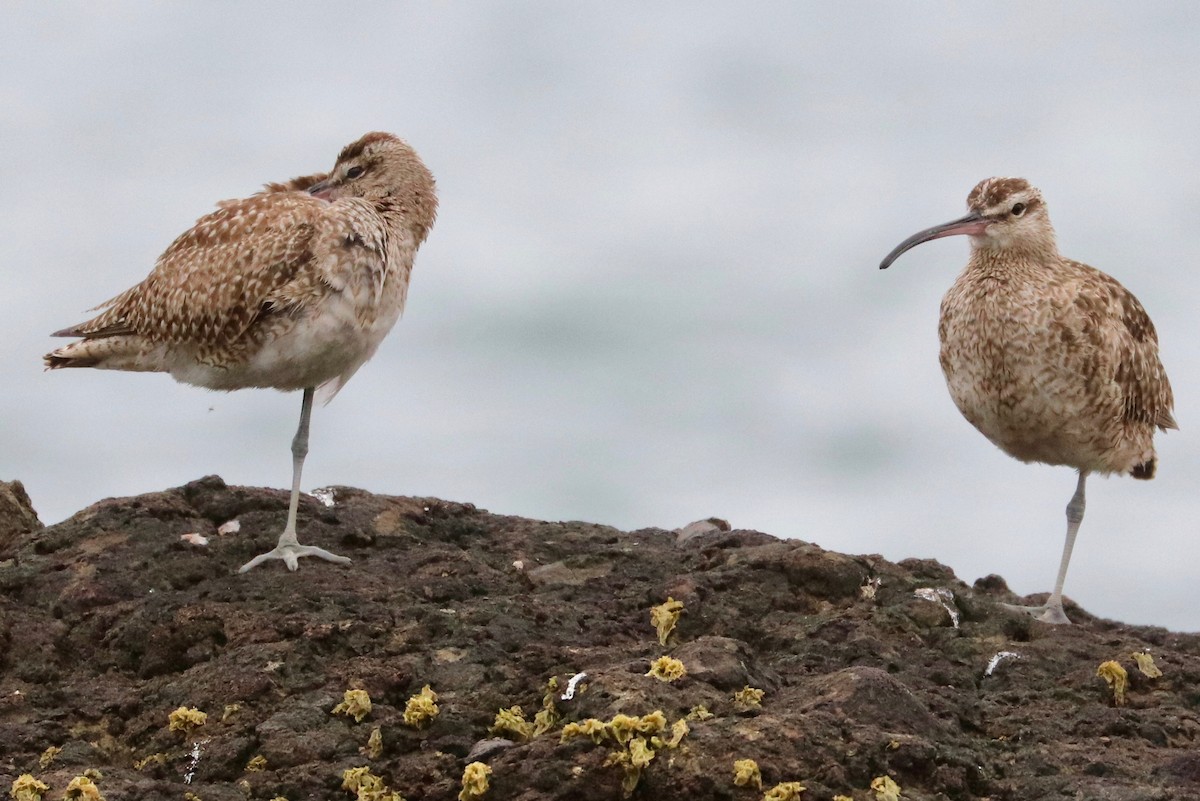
column 17, row 517
column 109, row 621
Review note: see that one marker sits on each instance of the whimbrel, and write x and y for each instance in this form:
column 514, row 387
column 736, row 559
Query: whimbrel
column 1052, row 360
column 292, row 288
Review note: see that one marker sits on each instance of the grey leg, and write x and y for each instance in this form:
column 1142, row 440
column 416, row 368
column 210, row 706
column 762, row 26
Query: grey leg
column 289, row 548
column 1052, row 611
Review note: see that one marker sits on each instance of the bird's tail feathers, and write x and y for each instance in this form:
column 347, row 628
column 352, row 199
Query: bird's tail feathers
column 115, row 352
column 1146, row 469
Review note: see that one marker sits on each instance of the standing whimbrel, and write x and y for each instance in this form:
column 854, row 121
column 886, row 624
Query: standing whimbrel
column 1052, row 360
column 292, row 288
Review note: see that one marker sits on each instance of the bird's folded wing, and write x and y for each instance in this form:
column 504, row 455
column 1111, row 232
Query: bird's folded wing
column 216, row 279
column 1126, row 335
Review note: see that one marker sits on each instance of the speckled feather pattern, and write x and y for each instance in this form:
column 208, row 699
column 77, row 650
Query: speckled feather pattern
column 283, row 289
column 1052, row 360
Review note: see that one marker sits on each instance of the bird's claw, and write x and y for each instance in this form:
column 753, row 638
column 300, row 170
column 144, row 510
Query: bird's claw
column 291, row 553
column 1045, row 613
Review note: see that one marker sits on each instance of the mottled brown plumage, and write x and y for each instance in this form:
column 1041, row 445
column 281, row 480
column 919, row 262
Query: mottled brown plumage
column 291, row 288
column 1050, row 359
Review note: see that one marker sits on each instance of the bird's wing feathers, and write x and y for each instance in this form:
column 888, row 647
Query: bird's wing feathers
column 214, row 281
column 300, row 184
column 1124, row 333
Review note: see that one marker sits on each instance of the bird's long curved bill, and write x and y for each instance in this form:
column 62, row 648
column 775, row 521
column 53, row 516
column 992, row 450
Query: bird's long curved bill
column 973, row 224
column 322, row 189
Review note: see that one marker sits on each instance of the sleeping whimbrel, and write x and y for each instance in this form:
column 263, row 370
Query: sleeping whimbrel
column 292, row 288
column 1052, row 360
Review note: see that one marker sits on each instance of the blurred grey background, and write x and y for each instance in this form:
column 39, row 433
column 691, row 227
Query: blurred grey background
column 652, row 294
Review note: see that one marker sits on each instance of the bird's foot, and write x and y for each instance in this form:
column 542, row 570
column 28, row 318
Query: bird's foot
column 1047, row 613
column 290, row 553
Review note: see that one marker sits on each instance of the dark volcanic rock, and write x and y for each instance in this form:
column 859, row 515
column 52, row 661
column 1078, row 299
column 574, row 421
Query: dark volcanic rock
column 111, row 620
column 17, row 517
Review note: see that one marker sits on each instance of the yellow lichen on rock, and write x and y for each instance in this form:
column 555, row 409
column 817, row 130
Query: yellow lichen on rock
column 885, row 789
column 374, row 748
column 632, row 774
column 589, row 727
column 229, row 711
column 640, row 752
column 679, row 730
column 474, row 782
column 653, row 723
column 154, row 759
column 624, row 727
column 1117, row 678
column 1145, row 663
column 26, row 788
column 82, row 788
column 548, row 717
column 747, row 774
column 512, row 721
column 421, row 708
column 784, row 791
column 48, row 756
column 355, row 704
column 749, row 697
column 667, row 668
column 354, row 779
column 633, row 760
column 664, row 617
column 842, row 798
column 257, row 763
column 360, row 781
column 637, row 739
column 699, row 712
column 367, row 786
column 545, row 720
column 186, row 719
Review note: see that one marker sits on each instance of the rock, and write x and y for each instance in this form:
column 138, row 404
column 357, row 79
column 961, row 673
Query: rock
column 17, row 517
column 710, row 525
column 719, row 661
column 484, row 750
column 868, row 696
column 108, row 622
column 560, row 573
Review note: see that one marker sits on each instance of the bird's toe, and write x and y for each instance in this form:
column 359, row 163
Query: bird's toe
column 1046, row 613
column 291, row 553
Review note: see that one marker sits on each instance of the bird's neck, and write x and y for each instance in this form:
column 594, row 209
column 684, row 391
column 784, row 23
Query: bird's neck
column 414, row 210
column 1013, row 259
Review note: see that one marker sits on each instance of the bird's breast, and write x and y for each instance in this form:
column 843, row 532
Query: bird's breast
column 343, row 329
column 338, row 323
column 1002, row 354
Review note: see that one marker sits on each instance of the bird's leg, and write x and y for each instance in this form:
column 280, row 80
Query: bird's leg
column 299, row 452
column 289, row 548
column 1052, row 610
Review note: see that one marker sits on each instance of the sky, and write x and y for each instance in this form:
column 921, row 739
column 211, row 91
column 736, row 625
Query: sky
column 652, row 293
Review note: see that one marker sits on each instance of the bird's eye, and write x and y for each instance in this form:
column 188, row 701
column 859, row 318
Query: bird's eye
column 354, row 172
column 1018, row 209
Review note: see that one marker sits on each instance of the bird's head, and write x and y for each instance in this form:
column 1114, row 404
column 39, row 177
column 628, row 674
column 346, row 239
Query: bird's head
column 384, row 170
column 1005, row 214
